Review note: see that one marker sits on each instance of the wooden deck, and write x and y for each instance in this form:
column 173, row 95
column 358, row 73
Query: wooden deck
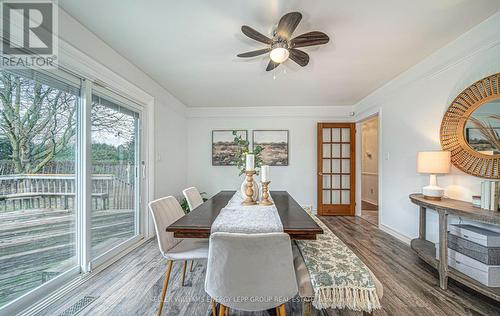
column 38, row 244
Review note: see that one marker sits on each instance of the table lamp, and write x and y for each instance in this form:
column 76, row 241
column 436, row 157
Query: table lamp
column 433, row 163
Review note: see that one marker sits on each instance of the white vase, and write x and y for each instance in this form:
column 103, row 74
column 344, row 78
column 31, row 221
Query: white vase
column 256, row 190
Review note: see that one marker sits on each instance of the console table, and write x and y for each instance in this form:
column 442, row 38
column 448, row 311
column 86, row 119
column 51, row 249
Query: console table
column 426, row 250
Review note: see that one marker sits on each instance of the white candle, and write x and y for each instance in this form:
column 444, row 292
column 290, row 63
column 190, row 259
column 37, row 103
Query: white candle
column 250, row 165
column 264, row 173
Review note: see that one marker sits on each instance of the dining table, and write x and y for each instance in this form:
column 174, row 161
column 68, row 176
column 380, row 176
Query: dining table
column 295, row 220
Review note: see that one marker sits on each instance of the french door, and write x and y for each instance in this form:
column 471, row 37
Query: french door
column 336, row 168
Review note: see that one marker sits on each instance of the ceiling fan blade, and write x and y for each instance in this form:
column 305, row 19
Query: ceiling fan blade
column 299, row 57
column 309, row 39
column 253, row 34
column 287, row 24
column 254, row 53
column 271, row 65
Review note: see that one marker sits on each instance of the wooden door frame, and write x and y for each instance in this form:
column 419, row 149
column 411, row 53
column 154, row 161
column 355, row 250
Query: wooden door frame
column 350, row 209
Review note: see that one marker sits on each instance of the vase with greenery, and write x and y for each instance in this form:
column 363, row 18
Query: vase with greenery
column 243, row 146
column 244, row 149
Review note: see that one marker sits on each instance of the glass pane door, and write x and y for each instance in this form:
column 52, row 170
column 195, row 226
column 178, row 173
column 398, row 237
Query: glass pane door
column 114, row 177
column 37, row 180
column 336, row 168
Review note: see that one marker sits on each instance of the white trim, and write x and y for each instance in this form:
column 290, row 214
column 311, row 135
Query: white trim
column 342, row 113
column 394, row 233
column 360, row 118
column 84, row 177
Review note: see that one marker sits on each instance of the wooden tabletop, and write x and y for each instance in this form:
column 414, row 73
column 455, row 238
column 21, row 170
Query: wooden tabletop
column 458, row 208
column 196, row 224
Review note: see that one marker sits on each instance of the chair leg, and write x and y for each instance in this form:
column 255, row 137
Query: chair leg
column 222, row 310
column 184, row 272
column 165, row 285
column 282, row 311
column 214, row 307
column 191, row 267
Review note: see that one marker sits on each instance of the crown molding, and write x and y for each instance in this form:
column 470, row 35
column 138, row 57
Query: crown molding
column 342, row 112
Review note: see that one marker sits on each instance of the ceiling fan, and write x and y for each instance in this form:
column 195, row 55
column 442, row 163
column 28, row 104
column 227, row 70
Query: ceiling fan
column 282, row 46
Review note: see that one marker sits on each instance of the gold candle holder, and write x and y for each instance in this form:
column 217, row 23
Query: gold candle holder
column 265, row 194
column 249, row 190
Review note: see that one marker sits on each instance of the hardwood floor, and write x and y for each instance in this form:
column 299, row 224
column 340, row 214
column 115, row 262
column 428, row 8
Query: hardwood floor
column 132, row 285
column 368, row 206
column 371, row 216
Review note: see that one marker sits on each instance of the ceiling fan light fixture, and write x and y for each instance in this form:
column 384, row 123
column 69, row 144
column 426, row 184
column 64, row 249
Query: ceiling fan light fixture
column 279, row 54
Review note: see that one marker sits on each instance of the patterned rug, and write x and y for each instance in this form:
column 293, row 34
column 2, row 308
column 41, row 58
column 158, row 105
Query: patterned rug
column 339, row 278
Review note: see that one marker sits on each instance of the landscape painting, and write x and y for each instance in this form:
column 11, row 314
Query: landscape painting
column 224, row 149
column 274, row 144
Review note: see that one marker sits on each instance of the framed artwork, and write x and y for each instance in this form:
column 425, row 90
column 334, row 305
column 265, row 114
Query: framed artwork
column 274, row 144
column 224, row 149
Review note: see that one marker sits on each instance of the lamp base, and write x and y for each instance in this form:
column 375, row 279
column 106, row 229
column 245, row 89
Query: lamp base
column 433, row 192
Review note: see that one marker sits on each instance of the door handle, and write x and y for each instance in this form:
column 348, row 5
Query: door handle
column 320, row 173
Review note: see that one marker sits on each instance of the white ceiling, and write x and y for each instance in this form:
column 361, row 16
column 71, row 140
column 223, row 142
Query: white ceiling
column 190, row 47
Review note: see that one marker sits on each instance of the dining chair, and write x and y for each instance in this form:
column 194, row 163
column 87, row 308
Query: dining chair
column 165, row 211
column 193, row 197
column 250, row 272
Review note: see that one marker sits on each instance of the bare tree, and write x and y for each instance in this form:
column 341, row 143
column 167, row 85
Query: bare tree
column 40, row 121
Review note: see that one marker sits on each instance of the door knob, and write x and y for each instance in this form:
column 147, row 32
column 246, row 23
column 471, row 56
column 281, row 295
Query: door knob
column 320, row 173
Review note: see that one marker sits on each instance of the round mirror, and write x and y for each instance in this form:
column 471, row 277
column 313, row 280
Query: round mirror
column 471, row 127
column 482, row 129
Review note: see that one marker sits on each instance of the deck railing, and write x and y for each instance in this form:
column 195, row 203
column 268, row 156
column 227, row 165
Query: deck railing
column 28, row 191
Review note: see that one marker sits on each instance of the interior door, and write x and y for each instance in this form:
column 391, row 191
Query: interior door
column 336, row 168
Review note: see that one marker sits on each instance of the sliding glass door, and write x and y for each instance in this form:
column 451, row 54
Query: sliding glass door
column 114, row 176
column 69, row 184
column 37, row 180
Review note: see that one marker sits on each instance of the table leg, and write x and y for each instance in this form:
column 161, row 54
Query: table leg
column 422, row 222
column 443, row 250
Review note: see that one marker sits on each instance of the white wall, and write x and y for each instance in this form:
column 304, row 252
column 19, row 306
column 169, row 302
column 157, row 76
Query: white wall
column 412, row 106
column 169, row 113
column 369, row 160
column 299, row 177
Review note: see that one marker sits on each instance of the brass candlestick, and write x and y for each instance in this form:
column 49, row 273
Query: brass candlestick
column 265, row 194
column 249, row 191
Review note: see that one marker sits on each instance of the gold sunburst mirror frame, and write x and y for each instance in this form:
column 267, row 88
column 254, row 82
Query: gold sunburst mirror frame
column 463, row 156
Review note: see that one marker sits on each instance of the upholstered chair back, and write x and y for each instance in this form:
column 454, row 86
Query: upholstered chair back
column 250, row 272
column 193, row 197
column 165, row 211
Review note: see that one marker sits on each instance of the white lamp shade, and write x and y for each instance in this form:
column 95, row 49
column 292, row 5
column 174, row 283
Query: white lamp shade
column 433, row 162
column 279, row 54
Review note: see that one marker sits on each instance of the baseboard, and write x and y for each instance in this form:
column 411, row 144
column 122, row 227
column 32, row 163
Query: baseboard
column 394, row 233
